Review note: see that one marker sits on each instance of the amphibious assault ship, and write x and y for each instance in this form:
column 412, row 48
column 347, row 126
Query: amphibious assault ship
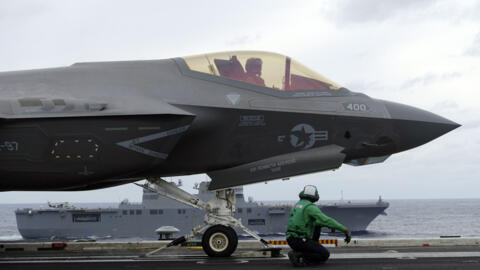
column 140, row 220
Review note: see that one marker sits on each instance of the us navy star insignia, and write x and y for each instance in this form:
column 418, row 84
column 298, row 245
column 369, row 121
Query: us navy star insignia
column 304, row 136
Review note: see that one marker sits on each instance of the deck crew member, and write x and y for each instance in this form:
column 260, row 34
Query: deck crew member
column 303, row 230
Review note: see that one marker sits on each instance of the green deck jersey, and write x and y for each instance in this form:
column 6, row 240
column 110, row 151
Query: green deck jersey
column 305, row 216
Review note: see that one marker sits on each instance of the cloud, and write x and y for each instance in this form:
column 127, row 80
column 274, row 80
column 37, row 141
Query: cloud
column 445, row 105
column 371, row 46
column 429, row 79
column 366, row 11
column 243, row 40
column 21, row 9
column 350, row 11
column 474, row 124
column 474, row 49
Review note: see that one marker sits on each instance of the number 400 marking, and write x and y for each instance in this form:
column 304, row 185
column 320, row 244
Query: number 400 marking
column 356, row 107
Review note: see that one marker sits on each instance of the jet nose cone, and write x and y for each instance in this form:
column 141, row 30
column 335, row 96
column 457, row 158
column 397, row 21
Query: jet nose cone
column 415, row 126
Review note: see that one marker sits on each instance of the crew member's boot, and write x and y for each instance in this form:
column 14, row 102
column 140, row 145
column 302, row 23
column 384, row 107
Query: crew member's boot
column 296, row 258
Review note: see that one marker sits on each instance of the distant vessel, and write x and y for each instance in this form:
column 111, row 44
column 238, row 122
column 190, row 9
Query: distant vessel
column 140, row 220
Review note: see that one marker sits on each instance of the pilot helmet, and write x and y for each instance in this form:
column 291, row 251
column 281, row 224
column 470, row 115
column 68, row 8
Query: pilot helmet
column 310, row 193
column 254, row 65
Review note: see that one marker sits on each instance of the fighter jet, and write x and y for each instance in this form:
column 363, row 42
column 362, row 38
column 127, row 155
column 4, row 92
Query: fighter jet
column 241, row 117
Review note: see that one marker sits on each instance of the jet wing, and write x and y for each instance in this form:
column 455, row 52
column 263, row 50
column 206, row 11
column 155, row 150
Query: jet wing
column 303, row 162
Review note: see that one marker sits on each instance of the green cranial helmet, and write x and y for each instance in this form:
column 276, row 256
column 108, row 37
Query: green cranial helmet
column 310, row 193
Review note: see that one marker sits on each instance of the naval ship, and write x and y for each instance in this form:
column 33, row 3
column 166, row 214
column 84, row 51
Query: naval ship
column 140, row 220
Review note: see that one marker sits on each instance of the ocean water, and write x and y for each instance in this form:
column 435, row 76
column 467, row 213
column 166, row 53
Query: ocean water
column 404, row 219
column 428, row 218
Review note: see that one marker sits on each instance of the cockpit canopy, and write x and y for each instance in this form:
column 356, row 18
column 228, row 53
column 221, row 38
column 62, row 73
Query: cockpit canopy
column 260, row 68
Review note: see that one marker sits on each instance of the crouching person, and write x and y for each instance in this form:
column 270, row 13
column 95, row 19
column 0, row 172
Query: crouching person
column 303, row 230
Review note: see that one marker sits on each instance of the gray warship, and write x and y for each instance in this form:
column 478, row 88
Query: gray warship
column 140, row 220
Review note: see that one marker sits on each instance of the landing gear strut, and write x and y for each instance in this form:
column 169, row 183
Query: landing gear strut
column 219, row 239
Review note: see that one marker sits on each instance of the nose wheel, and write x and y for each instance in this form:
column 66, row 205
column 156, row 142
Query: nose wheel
column 219, row 241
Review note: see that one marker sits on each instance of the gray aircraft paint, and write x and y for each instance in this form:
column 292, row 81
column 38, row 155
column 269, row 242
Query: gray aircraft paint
column 91, row 100
column 133, row 143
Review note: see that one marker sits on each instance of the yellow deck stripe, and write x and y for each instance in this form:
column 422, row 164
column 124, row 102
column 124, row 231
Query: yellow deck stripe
column 321, row 241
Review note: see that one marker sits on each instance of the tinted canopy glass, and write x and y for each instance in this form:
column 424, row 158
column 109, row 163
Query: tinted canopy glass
column 261, row 68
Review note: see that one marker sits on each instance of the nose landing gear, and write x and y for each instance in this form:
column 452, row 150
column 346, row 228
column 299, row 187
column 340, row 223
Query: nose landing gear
column 219, row 238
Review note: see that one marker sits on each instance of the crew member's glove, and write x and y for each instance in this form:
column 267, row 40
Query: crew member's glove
column 348, row 236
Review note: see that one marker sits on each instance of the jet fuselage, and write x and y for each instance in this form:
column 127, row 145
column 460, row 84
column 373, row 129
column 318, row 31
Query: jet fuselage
column 93, row 125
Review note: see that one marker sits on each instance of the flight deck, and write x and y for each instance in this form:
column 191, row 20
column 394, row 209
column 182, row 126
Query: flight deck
column 449, row 253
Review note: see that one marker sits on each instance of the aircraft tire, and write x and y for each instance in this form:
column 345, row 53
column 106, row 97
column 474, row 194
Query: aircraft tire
column 219, row 241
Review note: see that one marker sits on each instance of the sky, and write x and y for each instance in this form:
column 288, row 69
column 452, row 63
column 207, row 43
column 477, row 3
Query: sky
column 418, row 52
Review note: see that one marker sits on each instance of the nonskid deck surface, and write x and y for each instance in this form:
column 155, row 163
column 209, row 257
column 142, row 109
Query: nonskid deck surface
column 442, row 257
column 467, row 260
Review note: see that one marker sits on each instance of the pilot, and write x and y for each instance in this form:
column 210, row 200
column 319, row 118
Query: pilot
column 253, row 69
column 303, row 230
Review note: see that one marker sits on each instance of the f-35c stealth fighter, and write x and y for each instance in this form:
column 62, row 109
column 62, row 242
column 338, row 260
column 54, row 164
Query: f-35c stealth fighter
column 241, row 117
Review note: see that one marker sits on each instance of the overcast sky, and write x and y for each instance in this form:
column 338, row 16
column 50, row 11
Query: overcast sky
column 422, row 53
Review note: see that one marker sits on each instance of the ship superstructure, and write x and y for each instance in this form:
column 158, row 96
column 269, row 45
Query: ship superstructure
column 140, row 220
